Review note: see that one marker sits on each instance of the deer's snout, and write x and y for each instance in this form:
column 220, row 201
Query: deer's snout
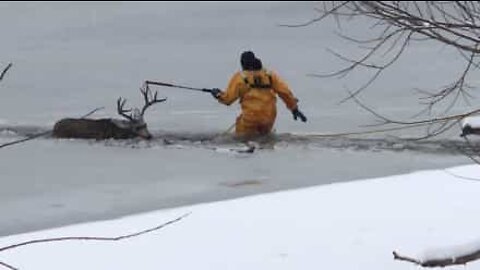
column 144, row 134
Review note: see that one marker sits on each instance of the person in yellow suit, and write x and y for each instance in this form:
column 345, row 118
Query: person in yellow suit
column 257, row 90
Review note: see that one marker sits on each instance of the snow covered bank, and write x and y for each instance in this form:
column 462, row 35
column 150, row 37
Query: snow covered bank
column 353, row 225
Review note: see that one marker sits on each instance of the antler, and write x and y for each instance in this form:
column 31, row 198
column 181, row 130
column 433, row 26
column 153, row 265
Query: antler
column 121, row 110
column 149, row 99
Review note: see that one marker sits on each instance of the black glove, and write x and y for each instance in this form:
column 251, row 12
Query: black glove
column 296, row 113
column 215, row 92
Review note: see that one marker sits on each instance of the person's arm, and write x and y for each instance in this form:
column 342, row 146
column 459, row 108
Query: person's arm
column 232, row 93
column 281, row 88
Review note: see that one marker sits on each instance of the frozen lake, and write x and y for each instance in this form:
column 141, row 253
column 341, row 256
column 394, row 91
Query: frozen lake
column 72, row 57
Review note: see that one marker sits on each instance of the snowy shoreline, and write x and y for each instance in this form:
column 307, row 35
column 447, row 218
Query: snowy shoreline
column 301, row 229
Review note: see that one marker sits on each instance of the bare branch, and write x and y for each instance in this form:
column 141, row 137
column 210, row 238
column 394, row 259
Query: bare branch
column 88, row 238
column 333, row 10
column 424, row 121
column 63, row 239
column 396, row 256
column 440, row 262
column 8, row 266
column 5, row 71
column 452, row 23
column 436, row 125
column 462, row 177
column 471, row 156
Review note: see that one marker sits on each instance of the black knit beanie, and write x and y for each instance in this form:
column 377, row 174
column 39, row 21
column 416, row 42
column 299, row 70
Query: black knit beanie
column 247, row 60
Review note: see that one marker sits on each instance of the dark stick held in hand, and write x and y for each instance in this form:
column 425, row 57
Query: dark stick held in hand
column 178, row 86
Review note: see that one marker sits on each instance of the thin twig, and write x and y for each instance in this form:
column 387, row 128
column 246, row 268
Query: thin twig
column 5, row 71
column 315, row 20
column 462, row 177
column 8, row 266
column 88, row 238
column 92, row 112
column 446, row 122
column 452, row 23
column 62, row 239
column 396, row 256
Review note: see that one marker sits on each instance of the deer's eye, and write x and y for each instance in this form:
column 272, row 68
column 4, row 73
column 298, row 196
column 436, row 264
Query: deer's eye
column 137, row 128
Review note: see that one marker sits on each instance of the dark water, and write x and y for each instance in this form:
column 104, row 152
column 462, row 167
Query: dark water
column 211, row 140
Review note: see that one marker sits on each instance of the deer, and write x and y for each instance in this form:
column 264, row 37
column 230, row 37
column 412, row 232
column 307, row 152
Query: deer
column 132, row 126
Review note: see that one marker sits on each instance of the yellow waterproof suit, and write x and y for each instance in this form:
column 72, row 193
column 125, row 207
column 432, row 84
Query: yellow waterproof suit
column 257, row 92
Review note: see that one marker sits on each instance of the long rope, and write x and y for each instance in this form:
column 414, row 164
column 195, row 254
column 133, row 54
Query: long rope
column 31, row 137
column 368, row 131
column 229, row 129
column 326, row 135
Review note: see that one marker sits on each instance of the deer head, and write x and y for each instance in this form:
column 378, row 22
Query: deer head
column 135, row 122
